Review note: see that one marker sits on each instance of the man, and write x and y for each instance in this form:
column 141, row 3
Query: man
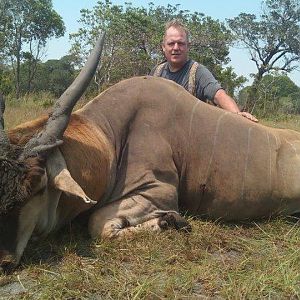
column 192, row 76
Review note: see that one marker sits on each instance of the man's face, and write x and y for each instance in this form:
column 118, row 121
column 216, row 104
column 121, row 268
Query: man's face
column 175, row 48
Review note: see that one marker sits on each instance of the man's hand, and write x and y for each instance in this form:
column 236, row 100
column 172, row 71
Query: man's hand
column 226, row 102
column 248, row 116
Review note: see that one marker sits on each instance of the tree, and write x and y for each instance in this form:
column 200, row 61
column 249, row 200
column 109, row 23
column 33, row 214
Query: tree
column 3, row 26
column 210, row 41
column 276, row 94
column 26, row 26
column 230, row 80
column 54, row 75
column 134, row 36
column 273, row 40
column 6, row 84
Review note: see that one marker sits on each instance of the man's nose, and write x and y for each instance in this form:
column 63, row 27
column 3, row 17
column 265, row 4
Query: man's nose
column 176, row 46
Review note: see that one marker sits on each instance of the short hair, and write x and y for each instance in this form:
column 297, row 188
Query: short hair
column 176, row 23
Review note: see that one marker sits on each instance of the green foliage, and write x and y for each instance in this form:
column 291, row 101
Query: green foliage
column 230, row 81
column 210, row 41
column 25, row 27
column 54, row 75
column 275, row 95
column 134, row 36
column 6, row 81
column 273, row 40
column 133, row 47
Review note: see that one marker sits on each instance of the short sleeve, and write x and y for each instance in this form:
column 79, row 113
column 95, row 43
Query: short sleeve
column 206, row 84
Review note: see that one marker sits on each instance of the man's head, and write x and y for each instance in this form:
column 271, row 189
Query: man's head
column 175, row 44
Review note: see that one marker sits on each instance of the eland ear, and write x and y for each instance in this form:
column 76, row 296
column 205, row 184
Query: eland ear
column 64, row 182
column 61, row 179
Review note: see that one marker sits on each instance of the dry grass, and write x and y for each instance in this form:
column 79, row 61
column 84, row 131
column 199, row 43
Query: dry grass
column 288, row 121
column 215, row 261
column 250, row 261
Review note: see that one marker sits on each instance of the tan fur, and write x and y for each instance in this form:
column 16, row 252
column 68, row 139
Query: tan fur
column 87, row 154
column 147, row 148
column 219, row 155
column 22, row 133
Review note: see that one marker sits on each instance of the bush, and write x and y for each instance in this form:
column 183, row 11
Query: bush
column 272, row 95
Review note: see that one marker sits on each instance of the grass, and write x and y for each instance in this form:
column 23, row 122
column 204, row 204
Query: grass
column 287, row 121
column 250, row 261
column 255, row 260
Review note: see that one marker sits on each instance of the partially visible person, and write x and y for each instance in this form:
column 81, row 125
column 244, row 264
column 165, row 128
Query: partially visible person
column 193, row 76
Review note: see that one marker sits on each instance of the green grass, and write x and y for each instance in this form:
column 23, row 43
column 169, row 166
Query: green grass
column 255, row 260
column 287, row 121
column 251, row 261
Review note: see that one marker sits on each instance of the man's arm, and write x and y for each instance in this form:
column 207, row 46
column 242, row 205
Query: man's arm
column 226, row 102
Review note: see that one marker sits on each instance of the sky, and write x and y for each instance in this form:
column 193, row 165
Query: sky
column 69, row 10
